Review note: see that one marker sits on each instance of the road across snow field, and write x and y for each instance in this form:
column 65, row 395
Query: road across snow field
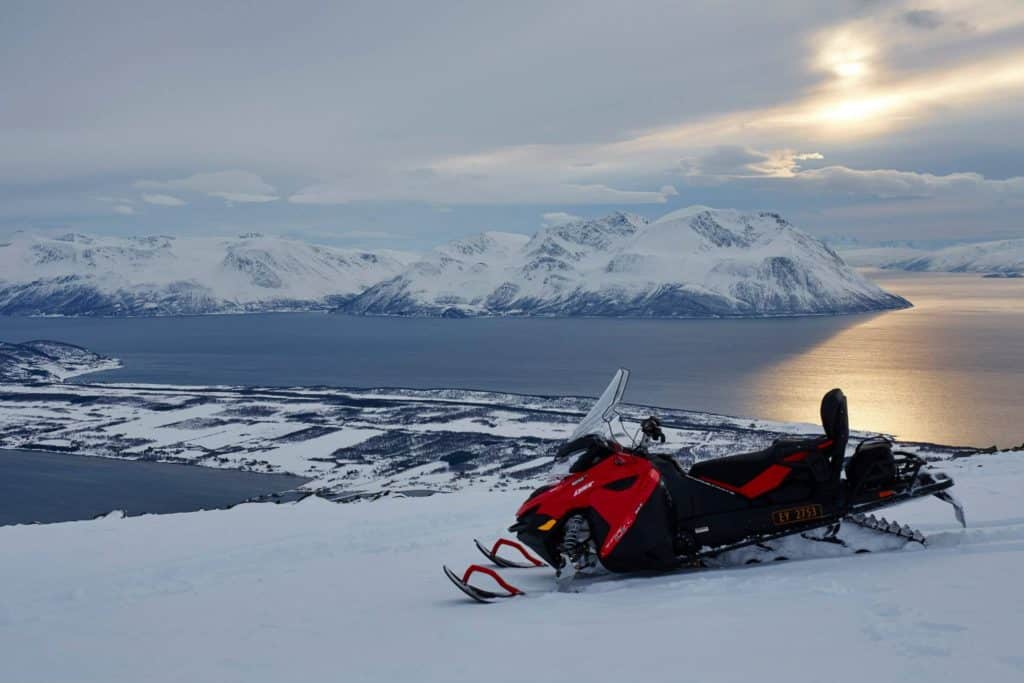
column 321, row 591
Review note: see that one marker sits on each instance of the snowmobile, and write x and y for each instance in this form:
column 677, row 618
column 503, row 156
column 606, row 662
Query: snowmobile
column 631, row 509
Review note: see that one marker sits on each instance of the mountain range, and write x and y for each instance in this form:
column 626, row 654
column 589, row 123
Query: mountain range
column 90, row 275
column 695, row 262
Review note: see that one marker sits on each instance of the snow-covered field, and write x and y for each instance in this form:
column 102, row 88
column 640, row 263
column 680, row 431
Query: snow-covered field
column 316, row 590
column 319, row 591
column 350, row 442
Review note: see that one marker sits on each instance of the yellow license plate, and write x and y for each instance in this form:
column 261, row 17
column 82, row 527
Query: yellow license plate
column 804, row 513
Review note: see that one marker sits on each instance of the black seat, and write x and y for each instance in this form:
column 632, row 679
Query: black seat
column 736, row 471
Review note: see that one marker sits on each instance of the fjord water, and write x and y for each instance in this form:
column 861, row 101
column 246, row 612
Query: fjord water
column 55, row 487
column 950, row 370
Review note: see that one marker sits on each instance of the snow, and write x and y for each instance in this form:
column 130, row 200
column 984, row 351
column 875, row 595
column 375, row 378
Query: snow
column 349, row 441
column 878, row 256
column 320, row 591
column 1003, row 256
column 692, row 262
column 90, row 275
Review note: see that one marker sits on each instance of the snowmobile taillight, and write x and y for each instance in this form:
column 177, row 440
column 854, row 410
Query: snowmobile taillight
column 886, row 494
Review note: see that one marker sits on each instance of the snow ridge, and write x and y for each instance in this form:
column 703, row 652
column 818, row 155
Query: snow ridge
column 695, row 262
column 88, row 275
column 1003, row 256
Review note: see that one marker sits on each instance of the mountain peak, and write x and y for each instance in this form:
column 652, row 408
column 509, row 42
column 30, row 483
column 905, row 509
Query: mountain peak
column 695, row 262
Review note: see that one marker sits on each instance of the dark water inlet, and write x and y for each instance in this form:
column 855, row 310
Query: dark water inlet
column 45, row 487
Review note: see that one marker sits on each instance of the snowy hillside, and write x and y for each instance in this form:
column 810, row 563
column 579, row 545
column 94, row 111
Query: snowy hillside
column 324, row 591
column 878, row 257
column 48, row 361
column 1004, row 256
column 315, row 591
column 87, row 275
column 695, row 262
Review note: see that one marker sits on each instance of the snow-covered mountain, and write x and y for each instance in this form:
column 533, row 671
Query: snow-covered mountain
column 695, row 262
column 88, row 275
column 1003, row 256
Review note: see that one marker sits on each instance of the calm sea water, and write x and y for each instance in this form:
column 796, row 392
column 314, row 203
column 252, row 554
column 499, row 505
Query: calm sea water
column 54, row 487
column 950, row 370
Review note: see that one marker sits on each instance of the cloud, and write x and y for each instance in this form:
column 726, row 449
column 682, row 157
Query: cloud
column 892, row 184
column 511, row 185
column 736, row 161
column 124, row 210
column 557, row 218
column 232, row 186
column 923, row 18
column 163, row 200
column 369, row 235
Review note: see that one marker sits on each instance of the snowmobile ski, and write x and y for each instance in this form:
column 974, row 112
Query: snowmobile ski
column 477, row 593
column 492, row 554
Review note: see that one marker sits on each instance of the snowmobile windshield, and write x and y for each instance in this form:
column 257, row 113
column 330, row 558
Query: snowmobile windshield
column 598, row 420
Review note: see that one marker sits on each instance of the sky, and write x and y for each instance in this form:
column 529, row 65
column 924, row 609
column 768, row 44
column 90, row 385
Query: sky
column 404, row 124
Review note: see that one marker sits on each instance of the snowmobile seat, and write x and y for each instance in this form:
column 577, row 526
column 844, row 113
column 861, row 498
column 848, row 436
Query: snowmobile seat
column 755, row 474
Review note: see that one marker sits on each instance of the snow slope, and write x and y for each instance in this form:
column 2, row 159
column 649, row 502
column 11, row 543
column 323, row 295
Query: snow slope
column 695, row 262
column 324, row 592
column 89, row 275
column 1004, row 256
column 878, row 257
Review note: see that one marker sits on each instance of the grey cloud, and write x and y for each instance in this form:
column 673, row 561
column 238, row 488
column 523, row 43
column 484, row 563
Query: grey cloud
column 736, row 161
column 163, row 200
column 233, row 186
column 924, row 18
column 554, row 218
column 892, row 184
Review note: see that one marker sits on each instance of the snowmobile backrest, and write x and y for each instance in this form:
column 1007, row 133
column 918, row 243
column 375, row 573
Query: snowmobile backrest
column 836, row 422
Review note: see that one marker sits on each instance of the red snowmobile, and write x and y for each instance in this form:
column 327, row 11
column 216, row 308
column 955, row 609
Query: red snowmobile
column 628, row 509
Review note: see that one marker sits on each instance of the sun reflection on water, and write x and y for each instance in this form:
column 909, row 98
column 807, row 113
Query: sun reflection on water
column 899, row 369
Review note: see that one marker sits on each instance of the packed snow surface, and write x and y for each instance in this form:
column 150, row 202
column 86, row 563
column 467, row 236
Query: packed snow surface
column 695, row 262
column 93, row 275
column 320, row 591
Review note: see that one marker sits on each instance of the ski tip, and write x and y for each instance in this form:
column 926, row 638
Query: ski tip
column 473, row 593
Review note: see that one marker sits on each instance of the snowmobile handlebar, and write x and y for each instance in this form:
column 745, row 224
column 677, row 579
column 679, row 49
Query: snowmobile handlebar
column 651, row 428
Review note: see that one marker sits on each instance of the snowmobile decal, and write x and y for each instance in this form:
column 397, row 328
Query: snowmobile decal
column 768, row 480
column 627, row 519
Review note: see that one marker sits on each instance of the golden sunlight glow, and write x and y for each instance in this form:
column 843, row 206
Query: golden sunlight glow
column 850, row 70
